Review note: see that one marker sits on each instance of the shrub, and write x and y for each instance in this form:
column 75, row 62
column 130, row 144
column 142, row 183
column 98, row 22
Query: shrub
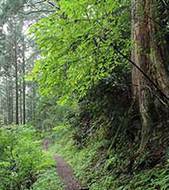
column 21, row 157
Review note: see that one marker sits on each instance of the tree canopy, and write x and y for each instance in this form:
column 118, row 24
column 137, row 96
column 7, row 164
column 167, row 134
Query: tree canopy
column 76, row 46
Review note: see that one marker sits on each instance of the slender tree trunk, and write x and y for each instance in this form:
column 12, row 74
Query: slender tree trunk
column 12, row 106
column 20, row 106
column 24, row 84
column 11, row 109
column 9, row 95
column 7, row 99
column 16, row 84
column 33, row 102
column 150, row 55
column 11, row 101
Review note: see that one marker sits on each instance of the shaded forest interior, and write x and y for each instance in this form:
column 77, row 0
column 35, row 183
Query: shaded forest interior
column 91, row 80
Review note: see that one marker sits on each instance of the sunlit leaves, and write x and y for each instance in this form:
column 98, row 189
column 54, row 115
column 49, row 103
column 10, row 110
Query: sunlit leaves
column 75, row 46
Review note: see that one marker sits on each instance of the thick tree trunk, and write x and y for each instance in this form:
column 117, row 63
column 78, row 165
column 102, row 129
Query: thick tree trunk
column 148, row 53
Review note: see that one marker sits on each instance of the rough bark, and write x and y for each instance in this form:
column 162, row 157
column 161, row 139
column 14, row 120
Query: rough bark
column 149, row 54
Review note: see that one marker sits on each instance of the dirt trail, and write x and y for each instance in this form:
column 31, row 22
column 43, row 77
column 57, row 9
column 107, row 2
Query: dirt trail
column 64, row 171
column 66, row 174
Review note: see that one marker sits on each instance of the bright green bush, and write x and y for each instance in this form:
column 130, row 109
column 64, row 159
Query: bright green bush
column 21, row 158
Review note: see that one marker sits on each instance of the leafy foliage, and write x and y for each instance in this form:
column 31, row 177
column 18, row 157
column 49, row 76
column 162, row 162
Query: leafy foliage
column 48, row 180
column 21, row 158
column 103, row 108
column 75, row 45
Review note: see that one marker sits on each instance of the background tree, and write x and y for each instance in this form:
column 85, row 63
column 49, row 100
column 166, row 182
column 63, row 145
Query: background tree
column 17, row 54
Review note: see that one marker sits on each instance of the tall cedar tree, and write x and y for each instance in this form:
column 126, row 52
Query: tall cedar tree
column 149, row 53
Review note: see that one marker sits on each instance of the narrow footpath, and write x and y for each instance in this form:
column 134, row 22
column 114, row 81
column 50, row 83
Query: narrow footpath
column 66, row 174
column 64, row 171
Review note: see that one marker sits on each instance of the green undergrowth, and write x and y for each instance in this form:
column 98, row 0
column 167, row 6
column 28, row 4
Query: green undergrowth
column 23, row 162
column 89, row 163
column 100, row 171
column 48, row 180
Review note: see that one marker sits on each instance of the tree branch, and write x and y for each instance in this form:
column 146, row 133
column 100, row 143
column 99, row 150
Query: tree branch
column 52, row 4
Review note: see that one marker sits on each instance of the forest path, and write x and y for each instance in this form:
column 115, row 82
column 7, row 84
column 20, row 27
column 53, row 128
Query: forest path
column 64, row 171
